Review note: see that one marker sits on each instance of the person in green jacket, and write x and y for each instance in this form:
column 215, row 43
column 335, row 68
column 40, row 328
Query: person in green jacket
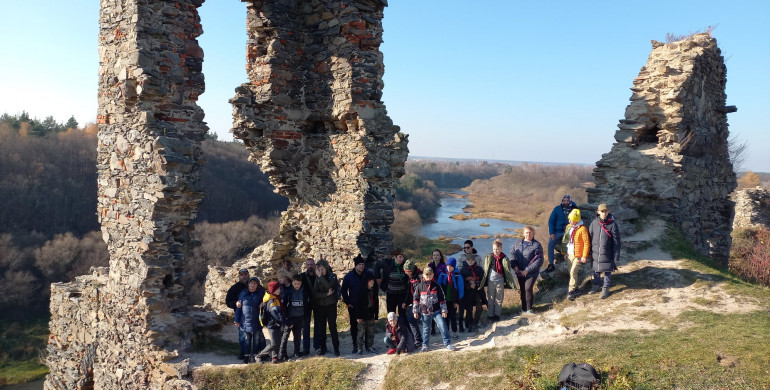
column 497, row 277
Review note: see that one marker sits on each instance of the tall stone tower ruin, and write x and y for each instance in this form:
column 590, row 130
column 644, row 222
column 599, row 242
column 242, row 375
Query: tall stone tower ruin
column 671, row 157
column 312, row 118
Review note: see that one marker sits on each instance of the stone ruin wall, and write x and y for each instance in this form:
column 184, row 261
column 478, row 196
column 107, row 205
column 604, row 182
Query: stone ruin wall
column 752, row 208
column 312, row 118
column 671, row 157
column 125, row 326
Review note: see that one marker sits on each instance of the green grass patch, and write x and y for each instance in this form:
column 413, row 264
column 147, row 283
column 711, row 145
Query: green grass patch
column 664, row 358
column 22, row 342
column 315, row 373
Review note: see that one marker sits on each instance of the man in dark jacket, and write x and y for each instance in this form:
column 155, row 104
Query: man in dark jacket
column 393, row 281
column 231, row 300
column 308, row 281
column 353, row 287
column 557, row 223
column 605, row 246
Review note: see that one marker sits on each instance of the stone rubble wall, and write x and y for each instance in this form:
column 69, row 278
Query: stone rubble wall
column 132, row 320
column 311, row 116
column 752, row 208
column 671, row 157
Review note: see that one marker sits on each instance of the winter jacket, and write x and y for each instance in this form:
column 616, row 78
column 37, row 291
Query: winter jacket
column 457, row 291
column 367, row 304
column 558, row 222
column 248, row 314
column 383, row 272
column 428, row 299
column 277, row 315
column 510, row 280
column 297, row 303
column 412, row 286
column 404, row 338
column 527, row 256
column 579, row 242
column 233, row 293
column 474, row 271
column 320, row 290
column 605, row 244
column 353, row 285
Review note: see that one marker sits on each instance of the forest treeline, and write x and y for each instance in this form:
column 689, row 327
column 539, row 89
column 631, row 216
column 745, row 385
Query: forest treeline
column 48, row 226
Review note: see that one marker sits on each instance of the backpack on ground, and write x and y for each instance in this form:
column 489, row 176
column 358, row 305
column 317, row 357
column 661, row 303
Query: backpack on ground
column 578, row 376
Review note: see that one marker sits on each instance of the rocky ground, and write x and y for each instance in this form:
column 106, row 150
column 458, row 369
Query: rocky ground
column 656, row 286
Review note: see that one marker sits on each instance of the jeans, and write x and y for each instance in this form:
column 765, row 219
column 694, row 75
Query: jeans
column 254, row 343
column 551, row 246
column 275, row 341
column 414, row 325
column 607, row 275
column 440, row 323
column 242, row 341
column 389, row 343
column 306, row 334
column 495, row 294
column 296, row 329
column 353, row 328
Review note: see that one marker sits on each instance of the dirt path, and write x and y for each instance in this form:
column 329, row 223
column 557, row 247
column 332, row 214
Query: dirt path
column 648, row 286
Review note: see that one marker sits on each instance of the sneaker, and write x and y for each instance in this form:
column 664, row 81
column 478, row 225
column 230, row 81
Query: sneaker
column 455, row 336
column 605, row 293
column 360, row 352
column 392, row 351
column 356, row 350
column 246, row 360
column 275, row 361
column 450, row 347
column 372, row 350
column 550, row 268
column 572, row 295
column 320, row 352
column 337, row 352
column 595, row 289
column 424, row 349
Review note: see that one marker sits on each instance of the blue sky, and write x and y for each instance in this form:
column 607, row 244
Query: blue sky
column 506, row 80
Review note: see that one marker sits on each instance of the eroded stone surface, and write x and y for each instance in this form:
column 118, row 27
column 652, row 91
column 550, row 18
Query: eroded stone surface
column 671, row 157
column 752, row 208
column 312, row 118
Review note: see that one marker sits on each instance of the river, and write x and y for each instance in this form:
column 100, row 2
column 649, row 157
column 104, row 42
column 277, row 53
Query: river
column 461, row 230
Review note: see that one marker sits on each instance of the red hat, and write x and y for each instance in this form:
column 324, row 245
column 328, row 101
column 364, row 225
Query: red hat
column 273, row 286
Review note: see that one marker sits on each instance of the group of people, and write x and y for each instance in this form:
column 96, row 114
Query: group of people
column 448, row 294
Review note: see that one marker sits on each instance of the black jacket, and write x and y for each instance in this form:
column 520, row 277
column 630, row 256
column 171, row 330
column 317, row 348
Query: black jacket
column 605, row 244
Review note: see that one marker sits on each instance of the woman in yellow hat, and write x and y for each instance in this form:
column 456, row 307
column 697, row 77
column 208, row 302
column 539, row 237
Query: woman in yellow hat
column 578, row 249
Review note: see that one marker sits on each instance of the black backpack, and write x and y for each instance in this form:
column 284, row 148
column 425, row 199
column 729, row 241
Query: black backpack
column 578, row 376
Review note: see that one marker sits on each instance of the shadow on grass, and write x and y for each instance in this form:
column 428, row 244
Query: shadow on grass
column 498, row 329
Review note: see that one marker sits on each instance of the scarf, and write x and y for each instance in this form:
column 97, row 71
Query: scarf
column 572, row 231
column 604, row 224
column 498, row 263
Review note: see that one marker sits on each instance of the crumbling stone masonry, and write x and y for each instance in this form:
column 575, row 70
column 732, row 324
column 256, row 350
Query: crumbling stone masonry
column 671, row 157
column 125, row 327
column 312, row 118
column 752, row 208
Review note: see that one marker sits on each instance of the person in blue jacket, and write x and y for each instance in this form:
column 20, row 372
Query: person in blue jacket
column 557, row 223
column 526, row 260
column 454, row 291
column 247, row 319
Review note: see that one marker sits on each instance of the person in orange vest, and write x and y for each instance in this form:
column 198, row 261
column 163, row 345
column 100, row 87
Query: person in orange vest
column 578, row 250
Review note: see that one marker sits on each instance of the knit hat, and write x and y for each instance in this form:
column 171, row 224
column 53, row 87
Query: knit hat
column 409, row 265
column 273, row 286
column 358, row 260
column 603, row 207
column 574, row 215
column 256, row 279
column 451, row 261
column 392, row 316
